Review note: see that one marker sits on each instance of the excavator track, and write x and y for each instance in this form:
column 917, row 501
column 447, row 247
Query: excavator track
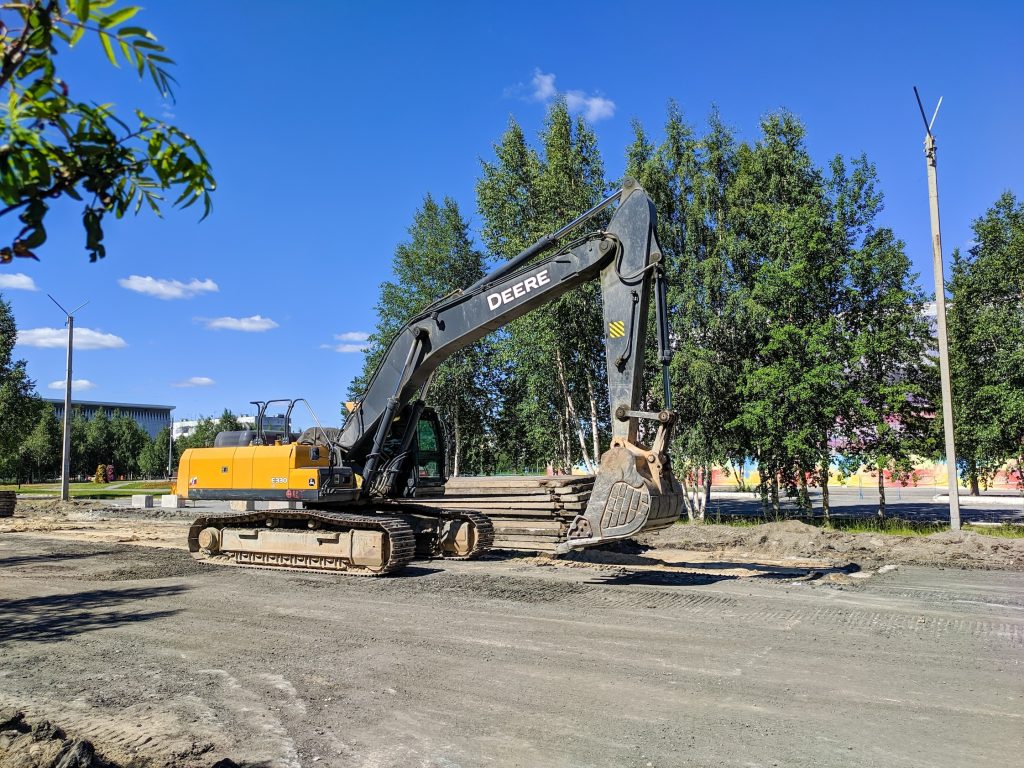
column 444, row 533
column 377, row 545
column 484, row 538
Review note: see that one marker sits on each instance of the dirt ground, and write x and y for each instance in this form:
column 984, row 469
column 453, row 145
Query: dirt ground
column 789, row 543
column 793, row 539
column 686, row 653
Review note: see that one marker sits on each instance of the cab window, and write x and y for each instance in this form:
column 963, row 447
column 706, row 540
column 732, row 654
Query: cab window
column 429, row 451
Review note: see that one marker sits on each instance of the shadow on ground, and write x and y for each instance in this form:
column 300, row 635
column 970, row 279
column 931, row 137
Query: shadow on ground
column 660, row 579
column 668, row 576
column 918, row 511
column 50, row 618
column 50, row 557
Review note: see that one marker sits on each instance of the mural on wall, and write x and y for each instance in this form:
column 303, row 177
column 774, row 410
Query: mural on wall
column 926, row 474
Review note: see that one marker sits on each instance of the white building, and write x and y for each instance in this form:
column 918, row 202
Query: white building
column 185, row 427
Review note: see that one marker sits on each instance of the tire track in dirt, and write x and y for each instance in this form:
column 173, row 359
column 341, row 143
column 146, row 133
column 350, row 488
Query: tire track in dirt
column 772, row 612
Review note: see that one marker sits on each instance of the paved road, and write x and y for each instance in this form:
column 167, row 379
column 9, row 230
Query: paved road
column 508, row 662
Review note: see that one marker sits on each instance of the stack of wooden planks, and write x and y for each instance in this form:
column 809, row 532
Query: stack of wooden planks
column 529, row 513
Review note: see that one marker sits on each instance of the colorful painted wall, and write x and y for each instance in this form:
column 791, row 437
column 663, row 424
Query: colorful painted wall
column 927, row 474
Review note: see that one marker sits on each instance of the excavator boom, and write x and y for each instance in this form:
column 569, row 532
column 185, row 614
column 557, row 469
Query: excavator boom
column 635, row 489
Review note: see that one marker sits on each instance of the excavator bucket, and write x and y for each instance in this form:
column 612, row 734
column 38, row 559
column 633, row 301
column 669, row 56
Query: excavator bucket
column 635, row 491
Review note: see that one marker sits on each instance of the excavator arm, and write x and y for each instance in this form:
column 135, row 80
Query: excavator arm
column 635, row 489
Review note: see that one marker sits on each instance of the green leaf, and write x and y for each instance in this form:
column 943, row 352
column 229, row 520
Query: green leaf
column 82, row 10
column 136, row 32
column 105, row 39
column 120, row 16
column 76, row 36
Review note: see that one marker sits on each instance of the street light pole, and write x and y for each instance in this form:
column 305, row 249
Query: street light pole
column 65, row 473
column 940, row 316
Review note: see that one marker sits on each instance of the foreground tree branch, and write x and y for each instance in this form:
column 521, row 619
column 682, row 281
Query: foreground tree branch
column 53, row 147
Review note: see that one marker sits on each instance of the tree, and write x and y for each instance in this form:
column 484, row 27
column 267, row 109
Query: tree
column 508, row 201
column 438, row 259
column 986, row 344
column 19, row 404
column 892, row 372
column 55, row 146
column 228, row 422
column 689, row 179
column 41, row 450
column 98, row 441
column 790, row 274
column 203, row 436
column 549, row 384
column 80, row 454
column 127, row 440
column 153, row 456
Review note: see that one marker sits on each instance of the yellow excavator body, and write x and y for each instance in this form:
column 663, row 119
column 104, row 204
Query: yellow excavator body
column 293, row 472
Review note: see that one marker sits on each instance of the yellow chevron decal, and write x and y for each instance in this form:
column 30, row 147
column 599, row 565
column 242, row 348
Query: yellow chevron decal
column 616, row 329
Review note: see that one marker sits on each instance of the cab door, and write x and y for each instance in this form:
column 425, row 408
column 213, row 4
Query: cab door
column 431, row 455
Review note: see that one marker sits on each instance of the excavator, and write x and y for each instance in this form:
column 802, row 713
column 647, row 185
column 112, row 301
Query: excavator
column 365, row 488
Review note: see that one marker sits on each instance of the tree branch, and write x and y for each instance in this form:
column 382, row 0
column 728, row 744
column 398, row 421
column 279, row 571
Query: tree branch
column 14, row 56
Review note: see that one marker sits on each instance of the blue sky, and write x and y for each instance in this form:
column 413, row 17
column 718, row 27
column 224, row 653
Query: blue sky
column 327, row 123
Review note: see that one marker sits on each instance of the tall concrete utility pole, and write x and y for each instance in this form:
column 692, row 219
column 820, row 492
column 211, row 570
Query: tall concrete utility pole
column 65, row 472
column 940, row 315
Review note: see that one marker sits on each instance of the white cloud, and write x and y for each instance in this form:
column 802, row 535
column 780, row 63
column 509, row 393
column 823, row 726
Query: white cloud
column 543, row 86
column 196, row 381
column 351, row 341
column 593, row 106
column 254, row 324
column 345, row 347
column 77, row 385
column 18, row 282
column 167, row 289
column 57, row 338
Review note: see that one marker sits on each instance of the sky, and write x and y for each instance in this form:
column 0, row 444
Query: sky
column 327, row 122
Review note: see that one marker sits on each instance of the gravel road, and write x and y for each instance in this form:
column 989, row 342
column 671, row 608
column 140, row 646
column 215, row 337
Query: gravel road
column 510, row 662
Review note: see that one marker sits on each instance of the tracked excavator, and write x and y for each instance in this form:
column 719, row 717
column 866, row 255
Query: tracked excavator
column 365, row 488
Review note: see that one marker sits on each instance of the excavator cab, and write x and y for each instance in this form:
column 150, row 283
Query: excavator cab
column 413, row 456
column 431, row 453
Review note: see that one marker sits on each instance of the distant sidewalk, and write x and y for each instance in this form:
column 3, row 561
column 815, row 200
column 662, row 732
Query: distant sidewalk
column 1000, row 499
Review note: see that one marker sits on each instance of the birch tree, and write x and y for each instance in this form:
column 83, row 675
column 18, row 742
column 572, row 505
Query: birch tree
column 437, row 259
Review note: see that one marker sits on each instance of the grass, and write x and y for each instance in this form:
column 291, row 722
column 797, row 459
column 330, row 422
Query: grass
column 892, row 526
column 898, row 527
column 93, row 490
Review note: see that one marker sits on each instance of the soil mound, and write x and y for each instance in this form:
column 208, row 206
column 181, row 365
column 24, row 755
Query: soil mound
column 42, row 745
column 795, row 539
column 53, row 507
